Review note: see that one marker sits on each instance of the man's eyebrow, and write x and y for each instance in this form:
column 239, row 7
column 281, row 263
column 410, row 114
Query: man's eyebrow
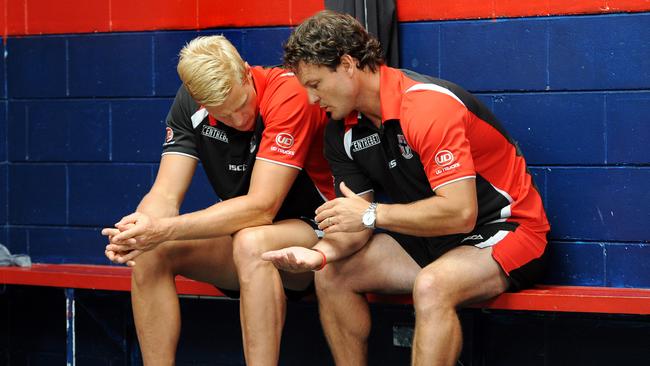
column 243, row 103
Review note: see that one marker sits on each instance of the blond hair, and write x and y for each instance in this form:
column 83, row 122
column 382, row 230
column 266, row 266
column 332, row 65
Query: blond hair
column 209, row 67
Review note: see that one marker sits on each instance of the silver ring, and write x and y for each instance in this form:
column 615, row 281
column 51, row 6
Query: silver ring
column 329, row 221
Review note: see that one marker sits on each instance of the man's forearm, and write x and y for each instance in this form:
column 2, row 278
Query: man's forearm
column 337, row 246
column 223, row 218
column 429, row 217
column 158, row 206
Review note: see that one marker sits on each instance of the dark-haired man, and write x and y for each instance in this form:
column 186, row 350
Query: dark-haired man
column 466, row 222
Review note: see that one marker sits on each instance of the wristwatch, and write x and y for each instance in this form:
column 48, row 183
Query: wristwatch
column 370, row 216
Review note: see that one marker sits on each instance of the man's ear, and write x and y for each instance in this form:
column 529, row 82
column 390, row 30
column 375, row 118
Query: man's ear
column 348, row 63
column 248, row 73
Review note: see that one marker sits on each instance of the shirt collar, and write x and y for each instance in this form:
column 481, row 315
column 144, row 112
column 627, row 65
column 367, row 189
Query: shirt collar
column 390, row 96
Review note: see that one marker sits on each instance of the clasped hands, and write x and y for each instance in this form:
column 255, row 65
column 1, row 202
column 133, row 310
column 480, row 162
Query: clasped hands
column 131, row 236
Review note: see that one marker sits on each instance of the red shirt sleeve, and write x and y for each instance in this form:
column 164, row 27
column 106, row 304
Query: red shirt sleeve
column 290, row 122
column 434, row 125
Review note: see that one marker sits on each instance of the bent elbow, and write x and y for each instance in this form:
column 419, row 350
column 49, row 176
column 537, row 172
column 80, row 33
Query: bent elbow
column 467, row 219
column 266, row 216
column 263, row 213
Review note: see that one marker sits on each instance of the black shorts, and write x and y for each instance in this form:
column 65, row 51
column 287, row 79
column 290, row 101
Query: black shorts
column 425, row 250
column 292, row 295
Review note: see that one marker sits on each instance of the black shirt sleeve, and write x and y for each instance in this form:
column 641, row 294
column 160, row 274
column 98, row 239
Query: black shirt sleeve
column 180, row 136
column 343, row 167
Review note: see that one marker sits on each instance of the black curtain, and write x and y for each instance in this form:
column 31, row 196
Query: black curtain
column 379, row 18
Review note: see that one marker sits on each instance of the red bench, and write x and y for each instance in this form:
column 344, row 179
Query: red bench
column 541, row 298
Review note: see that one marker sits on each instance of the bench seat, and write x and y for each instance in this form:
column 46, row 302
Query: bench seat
column 579, row 299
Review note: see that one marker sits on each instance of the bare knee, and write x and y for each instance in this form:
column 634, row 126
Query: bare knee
column 151, row 265
column 248, row 246
column 328, row 279
column 433, row 290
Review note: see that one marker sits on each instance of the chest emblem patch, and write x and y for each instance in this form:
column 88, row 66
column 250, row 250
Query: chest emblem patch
column 404, row 147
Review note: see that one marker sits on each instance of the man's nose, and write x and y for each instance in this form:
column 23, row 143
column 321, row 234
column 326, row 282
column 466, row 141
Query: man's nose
column 313, row 98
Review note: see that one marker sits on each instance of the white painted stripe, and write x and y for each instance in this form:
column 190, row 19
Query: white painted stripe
column 454, row 180
column 347, row 143
column 179, row 153
column 279, row 163
column 494, row 239
column 436, row 88
column 199, row 116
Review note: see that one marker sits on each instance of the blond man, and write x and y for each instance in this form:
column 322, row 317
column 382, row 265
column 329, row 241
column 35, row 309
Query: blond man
column 260, row 143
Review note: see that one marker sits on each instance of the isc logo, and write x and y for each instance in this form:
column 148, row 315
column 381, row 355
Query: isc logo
column 444, row 157
column 284, row 140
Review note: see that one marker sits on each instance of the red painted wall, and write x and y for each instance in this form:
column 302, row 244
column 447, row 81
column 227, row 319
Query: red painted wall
column 19, row 17
column 413, row 10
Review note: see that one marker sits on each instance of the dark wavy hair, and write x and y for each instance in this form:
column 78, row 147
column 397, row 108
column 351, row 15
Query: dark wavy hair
column 323, row 38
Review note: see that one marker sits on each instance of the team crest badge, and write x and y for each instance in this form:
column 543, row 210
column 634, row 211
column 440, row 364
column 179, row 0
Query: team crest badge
column 253, row 144
column 404, row 147
column 169, row 135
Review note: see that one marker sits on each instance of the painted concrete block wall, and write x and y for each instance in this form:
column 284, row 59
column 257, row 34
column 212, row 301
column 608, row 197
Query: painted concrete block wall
column 84, row 128
column 83, row 117
column 81, row 124
column 574, row 92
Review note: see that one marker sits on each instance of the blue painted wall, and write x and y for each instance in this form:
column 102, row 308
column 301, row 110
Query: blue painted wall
column 83, row 120
column 81, row 124
column 575, row 93
column 83, row 129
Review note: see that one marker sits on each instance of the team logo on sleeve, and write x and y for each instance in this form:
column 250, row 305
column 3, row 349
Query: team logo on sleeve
column 169, row 135
column 404, row 147
column 444, row 157
column 446, row 160
column 284, row 142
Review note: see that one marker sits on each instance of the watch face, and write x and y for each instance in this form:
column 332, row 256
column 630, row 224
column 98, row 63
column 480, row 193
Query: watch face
column 368, row 219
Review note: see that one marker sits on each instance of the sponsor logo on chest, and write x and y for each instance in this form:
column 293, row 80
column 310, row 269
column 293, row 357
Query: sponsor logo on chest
column 214, row 133
column 237, row 167
column 366, row 142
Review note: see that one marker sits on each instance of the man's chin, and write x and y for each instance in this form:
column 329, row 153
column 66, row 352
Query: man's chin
column 335, row 115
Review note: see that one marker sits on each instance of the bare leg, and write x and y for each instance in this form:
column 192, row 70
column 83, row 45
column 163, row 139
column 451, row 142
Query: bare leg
column 381, row 266
column 263, row 305
column 153, row 292
column 463, row 275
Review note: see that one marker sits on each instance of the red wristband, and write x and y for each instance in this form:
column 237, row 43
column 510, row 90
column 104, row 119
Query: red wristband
column 324, row 262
